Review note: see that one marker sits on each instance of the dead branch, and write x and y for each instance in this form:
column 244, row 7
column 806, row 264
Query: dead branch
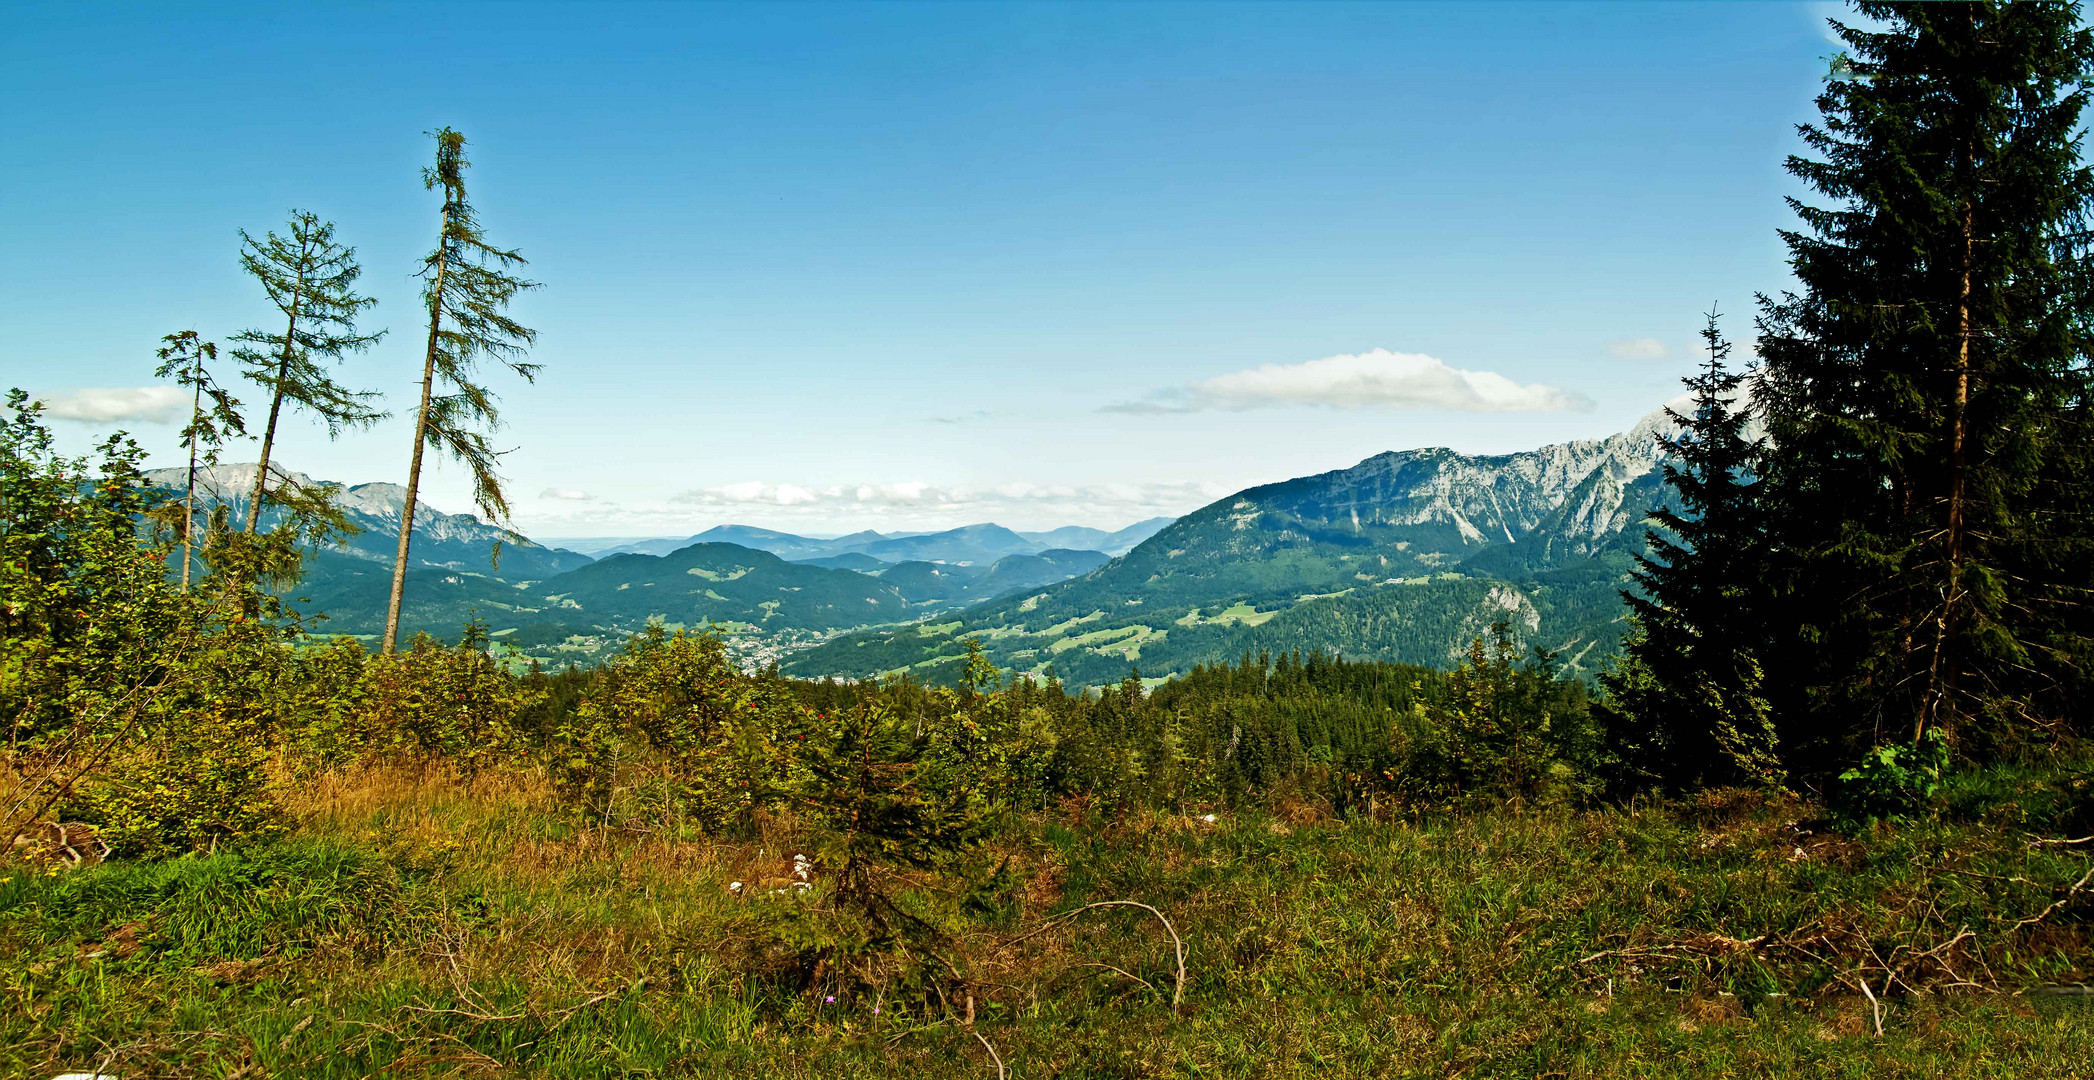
column 1708, row 946
column 1177, row 943
column 484, row 1018
column 1125, row 974
column 491, row 1018
column 2070, row 892
column 1001, row 1073
column 1875, row 1006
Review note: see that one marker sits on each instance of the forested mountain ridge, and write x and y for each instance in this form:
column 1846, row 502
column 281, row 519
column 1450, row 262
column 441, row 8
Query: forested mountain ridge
column 534, row 598
column 931, row 584
column 756, row 600
column 724, row 583
column 1404, row 556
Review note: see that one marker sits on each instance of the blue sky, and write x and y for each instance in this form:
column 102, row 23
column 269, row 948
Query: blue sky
column 907, row 266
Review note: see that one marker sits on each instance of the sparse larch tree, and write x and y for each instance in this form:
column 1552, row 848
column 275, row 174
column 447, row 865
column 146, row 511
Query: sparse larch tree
column 311, row 279
column 466, row 286
column 214, row 416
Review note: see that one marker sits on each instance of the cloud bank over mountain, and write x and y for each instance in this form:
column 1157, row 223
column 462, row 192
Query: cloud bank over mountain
column 1379, row 379
column 836, row 508
column 915, row 497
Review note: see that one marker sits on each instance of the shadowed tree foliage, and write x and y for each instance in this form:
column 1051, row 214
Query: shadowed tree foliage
column 467, row 287
column 1685, row 702
column 311, row 279
column 1927, row 390
column 214, row 416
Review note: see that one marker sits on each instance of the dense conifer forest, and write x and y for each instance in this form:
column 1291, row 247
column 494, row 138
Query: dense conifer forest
column 1829, row 812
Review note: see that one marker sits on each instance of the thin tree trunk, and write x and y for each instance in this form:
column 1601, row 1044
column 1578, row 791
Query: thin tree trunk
column 1939, row 708
column 276, row 405
column 196, row 406
column 421, row 425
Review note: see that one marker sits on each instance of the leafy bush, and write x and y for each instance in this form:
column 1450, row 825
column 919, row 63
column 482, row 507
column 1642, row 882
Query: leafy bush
column 135, row 704
column 1895, row 782
column 455, row 703
column 199, row 781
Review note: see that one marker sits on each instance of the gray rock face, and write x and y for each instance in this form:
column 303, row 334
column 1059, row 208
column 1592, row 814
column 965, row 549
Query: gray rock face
column 1576, row 489
column 1423, row 510
column 1403, row 517
column 1408, row 556
column 447, row 541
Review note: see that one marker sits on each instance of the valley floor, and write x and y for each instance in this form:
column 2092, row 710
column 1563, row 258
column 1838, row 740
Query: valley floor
column 416, row 925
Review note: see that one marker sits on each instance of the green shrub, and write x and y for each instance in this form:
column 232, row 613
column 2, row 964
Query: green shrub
column 196, row 781
column 1895, row 782
column 455, row 703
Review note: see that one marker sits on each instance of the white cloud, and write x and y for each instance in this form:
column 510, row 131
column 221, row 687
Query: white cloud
column 912, row 505
column 569, row 494
column 1643, row 348
column 748, row 492
column 1377, row 379
column 914, row 498
column 103, row 404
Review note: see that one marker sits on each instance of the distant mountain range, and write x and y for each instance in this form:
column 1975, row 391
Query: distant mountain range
column 969, row 544
column 1405, row 556
column 441, row 541
column 556, row 604
column 930, row 584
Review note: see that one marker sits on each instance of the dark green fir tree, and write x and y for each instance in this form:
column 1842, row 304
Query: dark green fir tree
column 1685, row 706
column 1926, row 389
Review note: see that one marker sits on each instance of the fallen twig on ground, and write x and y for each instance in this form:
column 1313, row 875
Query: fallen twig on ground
column 1001, row 1073
column 1177, row 943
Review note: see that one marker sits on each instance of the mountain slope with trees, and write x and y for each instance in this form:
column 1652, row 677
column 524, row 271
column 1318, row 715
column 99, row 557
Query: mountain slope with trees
column 1405, row 556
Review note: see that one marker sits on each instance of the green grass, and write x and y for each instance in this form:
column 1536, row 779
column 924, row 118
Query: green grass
column 416, row 926
column 1066, row 625
column 1242, row 614
column 1100, row 639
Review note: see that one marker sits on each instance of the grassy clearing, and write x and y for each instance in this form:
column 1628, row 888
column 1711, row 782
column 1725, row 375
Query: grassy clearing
column 1066, row 625
column 419, row 925
column 1239, row 614
column 1112, row 640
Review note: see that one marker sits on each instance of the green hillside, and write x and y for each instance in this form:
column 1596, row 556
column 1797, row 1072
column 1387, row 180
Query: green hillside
column 724, row 583
column 933, row 585
column 1313, row 564
column 760, row 602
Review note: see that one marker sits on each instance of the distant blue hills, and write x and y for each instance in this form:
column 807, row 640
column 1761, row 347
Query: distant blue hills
column 968, row 545
column 559, row 603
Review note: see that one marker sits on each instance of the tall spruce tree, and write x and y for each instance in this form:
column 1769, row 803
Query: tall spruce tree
column 467, row 288
column 1926, row 390
column 1687, row 711
column 311, row 279
column 214, row 417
